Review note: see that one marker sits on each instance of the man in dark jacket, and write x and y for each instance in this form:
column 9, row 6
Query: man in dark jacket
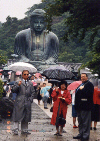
column 83, row 105
column 22, row 106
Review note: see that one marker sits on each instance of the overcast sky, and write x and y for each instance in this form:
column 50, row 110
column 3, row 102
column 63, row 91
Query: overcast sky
column 15, row 8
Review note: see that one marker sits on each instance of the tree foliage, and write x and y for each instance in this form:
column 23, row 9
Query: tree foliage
column 68, row 19
column 3, row 59
column 84, row 17
column 8, row 32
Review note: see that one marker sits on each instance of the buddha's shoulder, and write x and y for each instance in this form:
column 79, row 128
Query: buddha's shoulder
column 23, row 32
column 51, row 35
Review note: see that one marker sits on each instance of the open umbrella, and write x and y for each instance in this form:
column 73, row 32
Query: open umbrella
column 20, row 66
column 74, row 85
column 37, row 75
column 18, row 72
column 58, row 72
column 11, row 83
column 9, row 72
column 4, row 80
column 1, row 70
column 34, row 83
column 53, row 81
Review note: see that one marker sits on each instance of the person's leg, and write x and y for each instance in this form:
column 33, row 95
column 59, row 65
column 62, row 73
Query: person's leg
column 74, row 115
column 50, row 100
column 74, row 121
column 38, row 102
column 24, row 126
column 95, row 124
column 86, row 118
column 61, row 129
column 15, row 128
column 80, row 123
column 91, row 126
column 79, row 136
column 45, row 102
column 57, row 128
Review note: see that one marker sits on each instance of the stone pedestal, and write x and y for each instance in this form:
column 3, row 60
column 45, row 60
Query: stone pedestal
column 41, row 66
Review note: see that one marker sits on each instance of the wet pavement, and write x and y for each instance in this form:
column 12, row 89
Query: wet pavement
column 41, row 129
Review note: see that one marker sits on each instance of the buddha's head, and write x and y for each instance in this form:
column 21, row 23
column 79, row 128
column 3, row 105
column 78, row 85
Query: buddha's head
column 37, row 21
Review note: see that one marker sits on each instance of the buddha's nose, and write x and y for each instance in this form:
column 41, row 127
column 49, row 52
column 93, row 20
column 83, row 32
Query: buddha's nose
column 39, row 24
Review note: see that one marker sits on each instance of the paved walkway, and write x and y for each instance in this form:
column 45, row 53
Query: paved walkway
column 41, row 129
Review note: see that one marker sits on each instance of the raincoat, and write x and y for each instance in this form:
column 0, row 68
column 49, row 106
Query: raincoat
column 24, row 98
column 63, row 104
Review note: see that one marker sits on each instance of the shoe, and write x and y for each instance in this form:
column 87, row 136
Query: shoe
column 85, row 139
column 28, row 133
column 95, row 128
column 25, row 132
column 56, row 134
column 15, row 132
column 90, row 128
column 75, row 126
column 77, row 137
column 45, row 108
column 59, row 134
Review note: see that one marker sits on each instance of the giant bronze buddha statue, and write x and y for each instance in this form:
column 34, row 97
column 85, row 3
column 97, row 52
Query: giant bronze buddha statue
column 36, row 43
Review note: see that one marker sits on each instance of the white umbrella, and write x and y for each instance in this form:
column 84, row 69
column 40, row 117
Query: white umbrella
column 20, row 66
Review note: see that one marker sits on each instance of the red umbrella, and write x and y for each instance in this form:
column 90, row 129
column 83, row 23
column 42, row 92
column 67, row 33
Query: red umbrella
column 74, row 85
column 1, row 70
column 34, row 83
column 18, row 72
column 37, row 75
column 9, row 72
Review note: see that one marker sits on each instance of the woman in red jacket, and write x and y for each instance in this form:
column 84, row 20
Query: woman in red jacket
column 95, row 112
column 60, row 96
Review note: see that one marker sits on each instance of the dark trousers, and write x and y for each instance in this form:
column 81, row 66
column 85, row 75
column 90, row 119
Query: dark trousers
column 45, row 99
column 24, row 126
column 84, row 120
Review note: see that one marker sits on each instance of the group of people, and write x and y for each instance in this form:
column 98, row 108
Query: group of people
column 61, row 97
column 82, row 107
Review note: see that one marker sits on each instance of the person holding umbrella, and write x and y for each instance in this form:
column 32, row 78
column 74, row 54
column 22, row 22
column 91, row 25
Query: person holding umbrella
column 72, row 87
column 61, row 98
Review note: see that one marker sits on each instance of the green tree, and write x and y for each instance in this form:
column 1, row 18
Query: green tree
column 3, row 60
column 84, row 16
column 61, row 18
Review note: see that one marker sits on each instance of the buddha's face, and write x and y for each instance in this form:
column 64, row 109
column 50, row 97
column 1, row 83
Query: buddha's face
column 38, row 24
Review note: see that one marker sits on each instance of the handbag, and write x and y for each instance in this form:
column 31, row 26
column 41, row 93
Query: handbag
column 51, row 109
column 61, row 121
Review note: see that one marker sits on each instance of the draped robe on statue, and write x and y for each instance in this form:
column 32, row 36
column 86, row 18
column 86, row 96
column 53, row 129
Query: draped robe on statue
column 37, row 48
